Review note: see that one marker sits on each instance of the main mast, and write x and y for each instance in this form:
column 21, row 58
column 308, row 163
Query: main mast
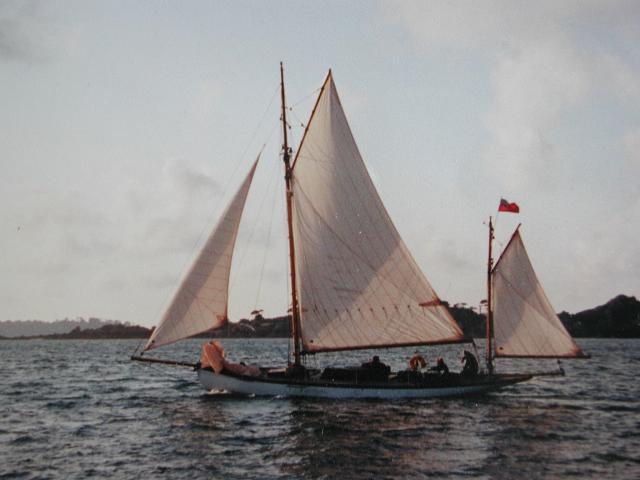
column 286, row 156
column 489, row 302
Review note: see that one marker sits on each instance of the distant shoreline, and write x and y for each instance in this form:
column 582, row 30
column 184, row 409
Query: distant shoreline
column 619, row 318
column 44, row 337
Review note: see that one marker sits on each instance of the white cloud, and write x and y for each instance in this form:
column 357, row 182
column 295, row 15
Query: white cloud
column 165, row 214
column 502, row 24
column 631, row 144
column 533, row 87
column 619, row 76
column 18, row 27
column 557, row 72
column 547, row 59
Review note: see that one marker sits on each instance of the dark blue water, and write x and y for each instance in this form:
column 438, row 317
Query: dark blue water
column 80, row 409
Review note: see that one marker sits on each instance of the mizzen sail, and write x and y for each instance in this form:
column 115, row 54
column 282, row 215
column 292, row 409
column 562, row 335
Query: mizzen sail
column 200, row 304
column 525, row 324
column 359, row 285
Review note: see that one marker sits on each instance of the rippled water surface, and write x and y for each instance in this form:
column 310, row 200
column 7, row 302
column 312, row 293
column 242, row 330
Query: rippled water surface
column 80, row 409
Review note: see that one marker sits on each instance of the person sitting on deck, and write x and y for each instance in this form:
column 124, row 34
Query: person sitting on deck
column 379, row 371
column 374, row 363
column 470, row 367
column 417, row 362
column 440, row 367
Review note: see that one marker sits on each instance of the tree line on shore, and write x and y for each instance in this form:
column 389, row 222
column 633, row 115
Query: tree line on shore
column 618, row 318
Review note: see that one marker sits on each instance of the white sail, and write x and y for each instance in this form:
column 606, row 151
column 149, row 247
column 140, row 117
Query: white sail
column 200, row 304
column 524, row 321
column 359, row 285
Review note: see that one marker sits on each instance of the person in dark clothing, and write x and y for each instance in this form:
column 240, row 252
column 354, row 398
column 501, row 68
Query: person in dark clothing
column 377, row 370
column 440, row 367
column 470, row 362
column 373, row 363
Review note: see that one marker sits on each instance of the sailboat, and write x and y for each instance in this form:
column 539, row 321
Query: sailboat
column 354, row 285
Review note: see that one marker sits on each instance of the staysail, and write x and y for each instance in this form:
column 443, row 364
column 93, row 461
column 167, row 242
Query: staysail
column 200, row 304
column 359, row 285
column 524, row 322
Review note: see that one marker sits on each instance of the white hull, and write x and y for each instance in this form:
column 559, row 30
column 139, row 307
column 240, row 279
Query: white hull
column 245, row 386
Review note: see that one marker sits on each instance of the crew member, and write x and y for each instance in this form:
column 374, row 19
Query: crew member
column 470, row 367
column 441, row 367
column 376, row 370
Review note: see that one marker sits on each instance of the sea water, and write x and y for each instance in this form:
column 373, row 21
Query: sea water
column 81, row 409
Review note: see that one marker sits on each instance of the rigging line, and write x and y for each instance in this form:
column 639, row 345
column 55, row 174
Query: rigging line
column 255, row 132
column 302, row 124
column 500, row 243
column 162, row 372
column 264, row 259
column 216, row 209
column 304, row 99
column 138, row 345
column 251, row 234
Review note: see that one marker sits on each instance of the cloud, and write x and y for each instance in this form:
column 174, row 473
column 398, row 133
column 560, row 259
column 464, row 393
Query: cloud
column 607, row 257
column 564, row 85
column 167, row 213
column 484, row 27
column 65, row 235
column 190, row 180
column 546, row 60
column 620, row 77
column 533, row 87
column 72, row 234
column 19, row 31
column 631, row 145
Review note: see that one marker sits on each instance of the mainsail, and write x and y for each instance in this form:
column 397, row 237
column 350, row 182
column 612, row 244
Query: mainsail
column 200, row 304
column 524, row 321
column 359, row 285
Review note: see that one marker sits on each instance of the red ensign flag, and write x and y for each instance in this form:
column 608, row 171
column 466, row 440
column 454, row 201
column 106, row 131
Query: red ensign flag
column 505, row 206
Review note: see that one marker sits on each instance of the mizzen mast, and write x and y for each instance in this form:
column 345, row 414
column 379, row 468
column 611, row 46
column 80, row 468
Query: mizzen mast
column 286, row 156
column 489, row 302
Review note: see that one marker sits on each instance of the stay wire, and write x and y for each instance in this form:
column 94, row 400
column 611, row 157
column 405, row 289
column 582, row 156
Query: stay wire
column 264, row 258
column 305, row 98
column 138, row 346
column 218, row 203
column 302, row 124
column 264, row 114
column 163, row 371
column 251, row 234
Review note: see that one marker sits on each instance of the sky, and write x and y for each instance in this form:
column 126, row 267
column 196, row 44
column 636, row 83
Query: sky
column 126, row 127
